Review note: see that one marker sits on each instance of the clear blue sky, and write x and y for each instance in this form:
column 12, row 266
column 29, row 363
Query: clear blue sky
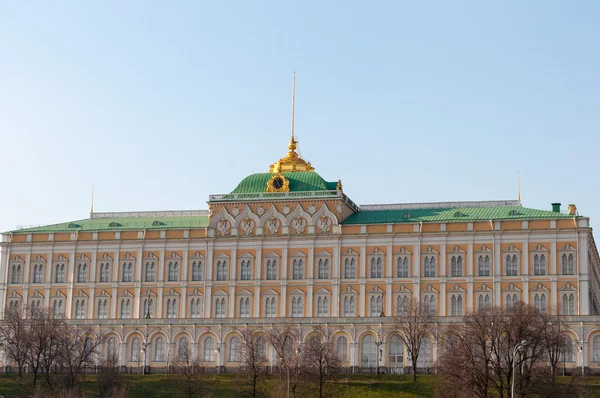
column 159, row 104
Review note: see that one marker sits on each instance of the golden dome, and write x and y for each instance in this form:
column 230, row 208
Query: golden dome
column 291, row 161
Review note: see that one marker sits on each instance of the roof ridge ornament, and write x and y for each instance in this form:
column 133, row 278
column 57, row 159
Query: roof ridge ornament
column 291, row 161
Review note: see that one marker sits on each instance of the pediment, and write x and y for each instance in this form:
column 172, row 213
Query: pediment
column 245, row 255
column 324, row 253
column 14, row 295
column 271, row 255
column 127, row 256
column 37, row 294
column 271, row 292
column 511, row 288
column 151, row 257
column 540, row 248
column 457, row 289
column 512, row 249
column 172, row 292
column 17, row 259
column 568, row 287
column 103, row 293
column 222, row 256
column 38, row 259
column 105, row 257
column 125, row 293
column 80, row 293
column 297, row 292
column 61, row 258
column 148, row 292
column 245, row 292
column 174, row 256
column 483, row 249
column 322, row 291
column 197, row 256
column 567, row 248
column 376, row 252
column 349, row 253
column 540, row 288
column 457, row 250
column 83, row 257
column 430, row 250
column 484, row 288
column 403, row 251
column 376, row 290
column 220, row 293
column 298, row 254
column 349, row 290
column 429, row 289
column 58, row 294
column 196, row 292
column 402, row 289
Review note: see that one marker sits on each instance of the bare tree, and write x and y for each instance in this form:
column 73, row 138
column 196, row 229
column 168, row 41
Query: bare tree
column 555, row 340
column 189, row 373
column 291, row 360
column 77, row 347
column 320, row 361
column 15, row 332
column 415, row 322
column 254, row 359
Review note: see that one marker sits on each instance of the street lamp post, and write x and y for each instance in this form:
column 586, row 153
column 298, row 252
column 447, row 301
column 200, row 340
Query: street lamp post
column 288, row 374
column 378, row 343
column 519, row 347
column 148, row 305
column 217, row 354
column 581, row 356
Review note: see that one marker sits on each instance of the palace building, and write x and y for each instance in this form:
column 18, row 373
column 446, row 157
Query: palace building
column 288, row 247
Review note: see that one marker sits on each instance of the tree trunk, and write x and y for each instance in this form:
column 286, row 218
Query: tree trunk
column 414, row 370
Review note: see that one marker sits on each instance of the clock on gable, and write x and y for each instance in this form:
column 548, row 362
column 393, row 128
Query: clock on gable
column 278, row 183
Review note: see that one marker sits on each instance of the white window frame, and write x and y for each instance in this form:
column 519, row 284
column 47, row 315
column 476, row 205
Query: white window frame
column 16, row 271
column 426, row 257
column 197, row 262
column 173, row 267
column 401, row 258
column 542, row 253
column 376, row 264
column 323, row 265
column 221, row 265
column 300, row 264
column 513, row 253
column 569, row 252
column 350, row 260
column 271, row 262
column 322, row 304
column 456, row 262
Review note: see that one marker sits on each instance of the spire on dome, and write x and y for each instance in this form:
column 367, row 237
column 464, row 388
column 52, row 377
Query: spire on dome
column 291, row 161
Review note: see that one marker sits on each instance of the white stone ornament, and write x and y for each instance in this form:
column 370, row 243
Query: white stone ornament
column 324, row 224
column 246, row 226
column 312, row 209
column 339, row 208
column 298, row 225
column 286, row 210
column 223, row 227
column 235, row 211
column 260, row 210
column 272, row 225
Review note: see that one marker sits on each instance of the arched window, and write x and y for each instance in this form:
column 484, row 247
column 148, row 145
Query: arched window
column 79, row 309
column 148, row 308
column 568, row 352
column 349, row 306
column 173, row 271
column 402, row 267
column 125, row 308
column 59, row 276
column 135, row 350
column 104, row 272
column 395, row 354
column 172, row 308
column 127, row 272
column 539, row 264
column 298, row 269
column 323, row 307
column 260, row 347
column 368, row 352
column 112, row 354
column 196, row 307
column 82, row 272
column 220, row 308
column 456, row 305
column 38, row 271
column 235, row 349
column 512, row 265
column 376, row 305
column 184, row 354
column 222, row 270
column 297, row 307
column 150, row 272
column 271, row 307
column 323, row 268
column 246, row 270
column 567, row 264
column 484, row 265
column 425, row 353
column 539, row 302
column 197, row 270
column 596, row 349
column 456, row 266
column 568, row 304
column 376, row 267
column 350, row 268
column 271, row 270
column 341, row 348
column 208, row 352
column 159, row 350
column 429, row 266
column 245, row 307
column 57, row 308
column 15, row 276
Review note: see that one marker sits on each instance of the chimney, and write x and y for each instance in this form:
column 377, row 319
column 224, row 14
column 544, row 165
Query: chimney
column 556, row 207
column 572, row 209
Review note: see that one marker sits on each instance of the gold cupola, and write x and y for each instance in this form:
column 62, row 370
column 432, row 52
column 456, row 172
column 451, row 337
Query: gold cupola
column 291, row 161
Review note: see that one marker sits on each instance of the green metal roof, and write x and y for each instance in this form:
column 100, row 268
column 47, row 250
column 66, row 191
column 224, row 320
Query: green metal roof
column 299, row 181
column 450, row 215
column 121, row 224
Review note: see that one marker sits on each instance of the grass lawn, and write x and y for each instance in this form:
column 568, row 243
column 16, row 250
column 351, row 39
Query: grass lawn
column 362, row 386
